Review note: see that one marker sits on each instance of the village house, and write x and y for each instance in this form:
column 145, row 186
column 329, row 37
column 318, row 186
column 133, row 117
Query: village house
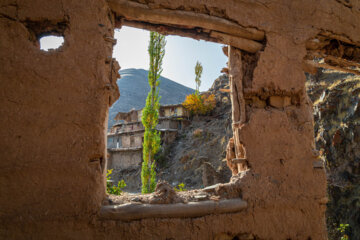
column 125, row 138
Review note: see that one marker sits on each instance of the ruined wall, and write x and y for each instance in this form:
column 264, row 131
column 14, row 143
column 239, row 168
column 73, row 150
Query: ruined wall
column 54, row 106
column 54, row 113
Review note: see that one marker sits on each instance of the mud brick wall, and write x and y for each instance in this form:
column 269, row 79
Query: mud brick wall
column 54, row 114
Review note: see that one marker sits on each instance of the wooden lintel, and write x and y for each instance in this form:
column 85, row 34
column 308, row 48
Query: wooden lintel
column 238, row 42
column 142, row 12
column 135, row 211
column 169, row 30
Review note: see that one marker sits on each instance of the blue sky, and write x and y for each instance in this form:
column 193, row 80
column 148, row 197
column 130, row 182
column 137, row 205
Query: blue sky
column 180, row 58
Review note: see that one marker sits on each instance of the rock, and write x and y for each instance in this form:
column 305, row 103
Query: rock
column 318, row 164
column 337, row 127
column 201, row 197
column 135, row 199
column 197, row 133
column 209, row 174
column 164, row 194
column 211, row 188
column 257, row 102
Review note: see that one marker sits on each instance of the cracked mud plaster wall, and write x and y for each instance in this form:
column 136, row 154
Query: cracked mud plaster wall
column 54, row 113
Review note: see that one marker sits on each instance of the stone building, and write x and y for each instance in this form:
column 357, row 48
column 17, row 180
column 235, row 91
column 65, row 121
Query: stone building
column 125, row 138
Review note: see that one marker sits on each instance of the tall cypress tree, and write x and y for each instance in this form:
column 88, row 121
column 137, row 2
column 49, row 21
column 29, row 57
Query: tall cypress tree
column 198, row 72
column 150, row 113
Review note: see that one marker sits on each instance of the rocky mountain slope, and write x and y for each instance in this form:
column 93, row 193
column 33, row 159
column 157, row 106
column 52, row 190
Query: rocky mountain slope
column 335, row 98
column 197, row 156
column 134, row 88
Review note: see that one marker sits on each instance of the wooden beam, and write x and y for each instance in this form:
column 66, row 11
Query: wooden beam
column 136, row 211
column 341, row 62
column 236, row 81
column 338, row 37
column 327, row 66
column 239, row 160
column 238, row 42
column 169, row 30
column 142, row 12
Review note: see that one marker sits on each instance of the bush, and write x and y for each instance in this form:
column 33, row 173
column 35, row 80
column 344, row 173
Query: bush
column 342, row 229
column 180, row 188
column 198, row 104
column 112, row 189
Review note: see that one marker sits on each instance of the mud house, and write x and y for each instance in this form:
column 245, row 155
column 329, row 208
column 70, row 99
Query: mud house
column 54, row 109
column 125, row 138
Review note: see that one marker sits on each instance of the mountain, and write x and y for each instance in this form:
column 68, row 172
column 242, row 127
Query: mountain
column 134, row 88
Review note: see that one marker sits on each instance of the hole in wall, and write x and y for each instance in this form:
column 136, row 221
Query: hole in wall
column 51, row 42
column 47, row 35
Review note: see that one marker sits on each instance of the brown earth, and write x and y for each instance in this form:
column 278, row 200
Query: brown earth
column 54, row 115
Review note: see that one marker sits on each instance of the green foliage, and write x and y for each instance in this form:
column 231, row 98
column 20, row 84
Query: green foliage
column 180, row 188
column 342, row 229
column 150, row 113
column 112, row 189
column 198, row 72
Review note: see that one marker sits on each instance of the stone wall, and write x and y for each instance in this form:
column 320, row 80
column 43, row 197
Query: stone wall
column 54, row 115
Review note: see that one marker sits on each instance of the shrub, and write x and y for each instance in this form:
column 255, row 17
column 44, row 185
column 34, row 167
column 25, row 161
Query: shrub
column 198, row 104
column 112, row 189
column 180, row 188
column 342, row 229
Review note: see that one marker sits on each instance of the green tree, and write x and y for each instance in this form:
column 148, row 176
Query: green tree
column 198, row 72
column 150, row 113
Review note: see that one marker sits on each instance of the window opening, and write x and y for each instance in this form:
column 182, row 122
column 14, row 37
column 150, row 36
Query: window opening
column 193, row 145
column 51, row 42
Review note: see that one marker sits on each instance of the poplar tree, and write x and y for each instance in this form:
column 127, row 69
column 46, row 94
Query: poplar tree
column 198, row 72
column 150, row 113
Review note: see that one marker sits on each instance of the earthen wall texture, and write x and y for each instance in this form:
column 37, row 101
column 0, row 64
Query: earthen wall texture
column 54, row 113
column 124, row 160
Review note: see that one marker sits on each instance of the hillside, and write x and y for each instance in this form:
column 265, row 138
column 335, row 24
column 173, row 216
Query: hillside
column 180, row 162
column 134, row 88
column 336, row 100
column 203, row 166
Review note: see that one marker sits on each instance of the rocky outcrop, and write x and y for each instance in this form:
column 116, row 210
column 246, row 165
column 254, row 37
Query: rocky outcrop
column 335, row 97
column 205, row 165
